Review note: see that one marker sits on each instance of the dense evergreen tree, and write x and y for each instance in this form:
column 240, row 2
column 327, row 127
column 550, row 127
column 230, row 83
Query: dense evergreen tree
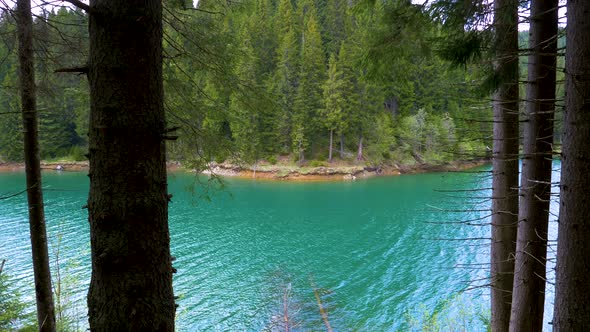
column 284, row 87
column 284, row 18
column 245, row 120
column 335, row 24
column 62, row 99
column 335, row 103
column 308, row 99
column 11, row 125
column 348, row 84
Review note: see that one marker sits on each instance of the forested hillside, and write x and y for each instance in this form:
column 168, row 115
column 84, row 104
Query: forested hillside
column 274, row 80
column 60, row 41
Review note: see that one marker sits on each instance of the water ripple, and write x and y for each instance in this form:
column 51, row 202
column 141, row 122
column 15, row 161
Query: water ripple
column 361, row 246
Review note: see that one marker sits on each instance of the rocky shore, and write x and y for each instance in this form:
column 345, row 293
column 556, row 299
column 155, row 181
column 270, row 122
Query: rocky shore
column 327, row 173
column 58, row 166
column 282, row 172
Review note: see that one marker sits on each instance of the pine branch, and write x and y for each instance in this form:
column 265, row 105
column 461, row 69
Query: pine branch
column 82, row 70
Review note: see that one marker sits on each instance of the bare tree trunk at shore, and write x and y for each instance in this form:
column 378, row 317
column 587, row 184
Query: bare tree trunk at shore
column 342, row 146
column 331, row 141
column 359, row 155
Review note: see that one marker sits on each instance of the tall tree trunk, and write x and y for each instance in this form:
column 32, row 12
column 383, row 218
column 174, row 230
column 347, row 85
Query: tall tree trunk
column 572, row 289
column 359, row 154
column 528, row 293
column 131, row 284
column 301, row 153
column 505, row 162
column 43, row 290
column 342, row 146
column 331, row 141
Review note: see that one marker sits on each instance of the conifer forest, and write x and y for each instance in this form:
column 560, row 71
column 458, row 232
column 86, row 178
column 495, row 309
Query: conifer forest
column 311, row 80
column 147, row 96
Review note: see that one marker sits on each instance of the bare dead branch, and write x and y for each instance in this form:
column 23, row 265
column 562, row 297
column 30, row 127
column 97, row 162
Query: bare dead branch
column 13, row 195
column 81, row 70
column 80, row 5
column 462, row 239
column 319, row 300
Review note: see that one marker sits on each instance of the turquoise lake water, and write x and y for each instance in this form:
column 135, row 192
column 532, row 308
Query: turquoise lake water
column 381, row 253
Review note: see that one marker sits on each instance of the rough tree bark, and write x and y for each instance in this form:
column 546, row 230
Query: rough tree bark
column 528, row 293
column 43, row 290
column 504, row 162
column 131, row 284
column 572, row 289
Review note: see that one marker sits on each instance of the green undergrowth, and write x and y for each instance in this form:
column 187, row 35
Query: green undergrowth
column 455, row 314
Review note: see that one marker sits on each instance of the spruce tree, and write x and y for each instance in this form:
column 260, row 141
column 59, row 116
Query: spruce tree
column 245, row 118
column 334, row 101
column 308, row 100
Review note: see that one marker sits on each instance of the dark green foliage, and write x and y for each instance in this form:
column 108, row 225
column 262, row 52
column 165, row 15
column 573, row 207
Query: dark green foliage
column 11, row 141
column 249, row 80
column 463, row 49
column 60, row 42
column 12, row 308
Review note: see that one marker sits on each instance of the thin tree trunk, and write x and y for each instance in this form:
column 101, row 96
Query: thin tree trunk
column 359, row 155
column 572, row 289
column 131, row 283
column 301, row 153
column 341, row 146
column 528, row 294
column 331, row 140
column 43, row 290
column 505, row 162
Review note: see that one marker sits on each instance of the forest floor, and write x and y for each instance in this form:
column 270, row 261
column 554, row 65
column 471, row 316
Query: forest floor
column 336, row 171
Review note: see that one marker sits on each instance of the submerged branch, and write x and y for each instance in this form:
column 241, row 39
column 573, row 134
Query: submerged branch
column 319, row 300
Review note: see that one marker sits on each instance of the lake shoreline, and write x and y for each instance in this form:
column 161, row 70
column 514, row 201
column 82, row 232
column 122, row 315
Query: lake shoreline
column 284, row 172
column 334, row 173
